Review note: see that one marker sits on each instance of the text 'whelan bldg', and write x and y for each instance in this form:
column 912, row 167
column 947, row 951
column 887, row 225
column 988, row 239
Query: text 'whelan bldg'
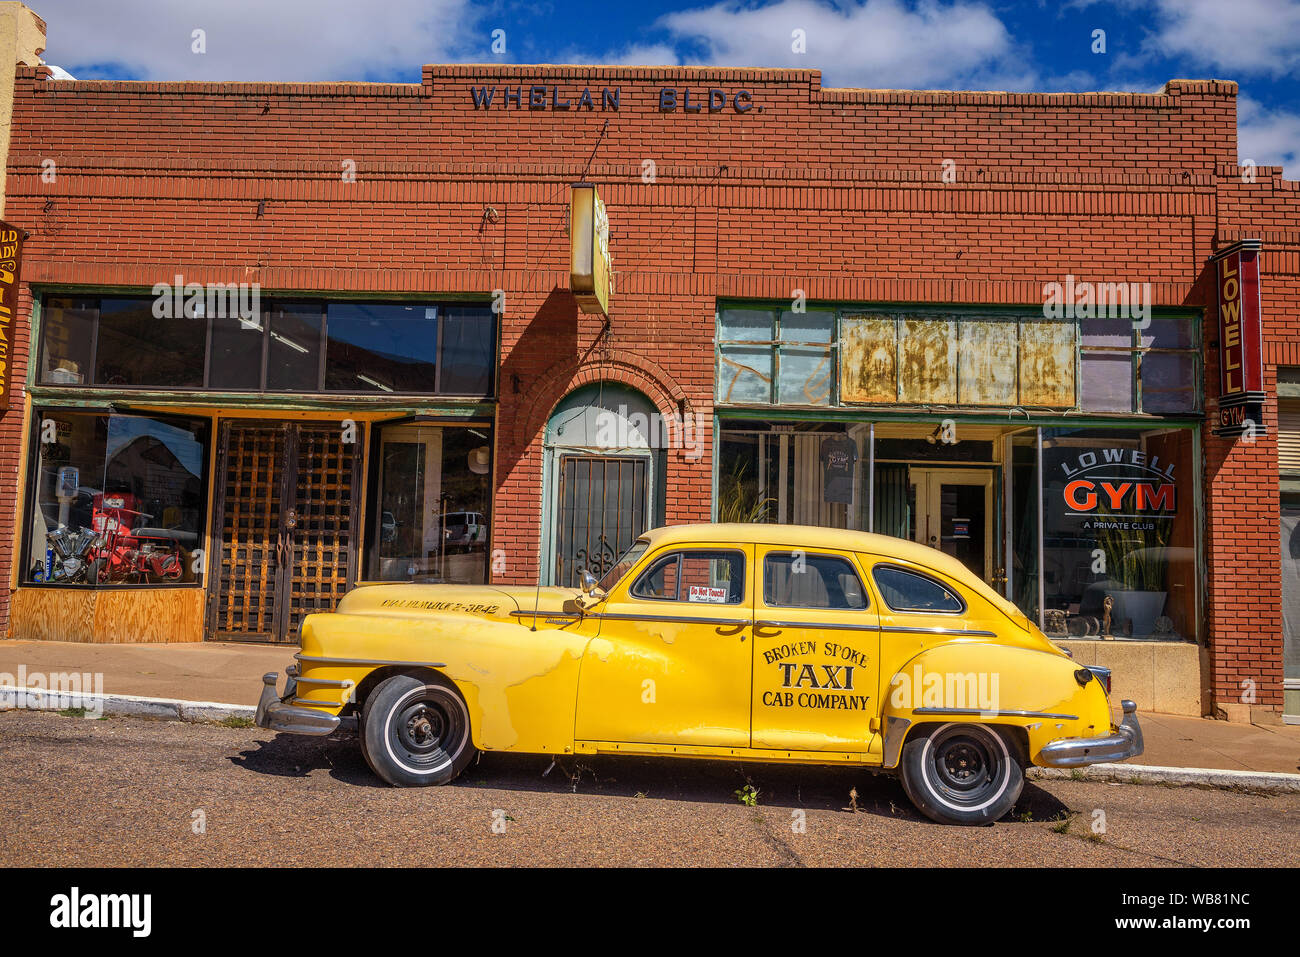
column 990, row 322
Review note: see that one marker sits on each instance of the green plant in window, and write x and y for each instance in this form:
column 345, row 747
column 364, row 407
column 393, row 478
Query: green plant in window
column 1137, row 559
column 736, row 503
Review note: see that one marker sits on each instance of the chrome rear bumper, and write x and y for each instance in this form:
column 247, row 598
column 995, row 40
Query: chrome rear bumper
column 277, row 714
column 1124, row 742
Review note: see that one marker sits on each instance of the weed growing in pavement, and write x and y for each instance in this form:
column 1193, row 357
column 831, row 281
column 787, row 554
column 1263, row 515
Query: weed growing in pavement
column 748, row 795
column 235, row 721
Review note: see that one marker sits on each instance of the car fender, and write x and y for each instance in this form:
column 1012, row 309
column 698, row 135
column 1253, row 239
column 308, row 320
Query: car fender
column 1037, row 691
column 519, row 685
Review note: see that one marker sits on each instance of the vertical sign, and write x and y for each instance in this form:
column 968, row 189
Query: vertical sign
column 590, row 266
column 1241, row 361
column 11, row 260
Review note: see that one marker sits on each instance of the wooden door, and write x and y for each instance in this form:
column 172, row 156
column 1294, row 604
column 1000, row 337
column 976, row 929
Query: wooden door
column 287, row 504
column 320, row 550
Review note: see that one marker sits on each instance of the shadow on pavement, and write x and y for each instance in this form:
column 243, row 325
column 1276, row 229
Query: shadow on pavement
column 811, row 787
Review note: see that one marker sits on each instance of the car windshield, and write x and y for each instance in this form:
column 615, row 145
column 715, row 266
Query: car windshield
column 620, row 567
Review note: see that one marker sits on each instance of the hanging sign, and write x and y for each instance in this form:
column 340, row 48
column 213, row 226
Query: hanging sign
column 590, row 266
column 1241, row 361
column 11, row 260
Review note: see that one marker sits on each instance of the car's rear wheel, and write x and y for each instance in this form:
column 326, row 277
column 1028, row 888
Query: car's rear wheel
column 962, row 773
column 415, row 731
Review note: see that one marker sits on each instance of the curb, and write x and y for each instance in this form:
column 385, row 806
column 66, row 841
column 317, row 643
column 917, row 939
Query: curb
column 38, row 699
column 1268, row 781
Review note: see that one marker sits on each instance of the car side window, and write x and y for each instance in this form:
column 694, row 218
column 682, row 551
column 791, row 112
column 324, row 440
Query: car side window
column 801, row 580
column 697, row 576
column 903, row 590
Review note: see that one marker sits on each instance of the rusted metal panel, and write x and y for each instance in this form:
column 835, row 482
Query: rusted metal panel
column 1047, row 361
column 868, row 358
column 927, row 351
column 986, row 372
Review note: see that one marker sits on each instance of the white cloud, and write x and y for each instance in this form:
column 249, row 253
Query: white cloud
column 1268, row 137
column 294, row 40
column 647, row 54
column 1242, row 36
column 875, row 43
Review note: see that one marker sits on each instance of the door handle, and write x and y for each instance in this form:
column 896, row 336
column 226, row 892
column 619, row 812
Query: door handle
column 759, row 627
column 735, row 630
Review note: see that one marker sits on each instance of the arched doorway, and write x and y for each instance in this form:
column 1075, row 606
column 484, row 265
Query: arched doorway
column 603, row 471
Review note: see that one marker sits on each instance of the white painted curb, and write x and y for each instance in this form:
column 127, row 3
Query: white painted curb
column 39, row 699
column 1271, row 781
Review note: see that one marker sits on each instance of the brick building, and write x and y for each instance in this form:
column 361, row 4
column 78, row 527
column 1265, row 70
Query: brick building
column 835, row 299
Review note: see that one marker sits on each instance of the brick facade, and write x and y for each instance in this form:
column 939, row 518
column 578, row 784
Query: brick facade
column 834, row 192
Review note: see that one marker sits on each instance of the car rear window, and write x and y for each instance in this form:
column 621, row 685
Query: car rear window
column 903, row 590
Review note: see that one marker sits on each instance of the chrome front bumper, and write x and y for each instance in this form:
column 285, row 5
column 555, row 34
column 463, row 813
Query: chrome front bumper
column 1125, row 742
column 275, row 712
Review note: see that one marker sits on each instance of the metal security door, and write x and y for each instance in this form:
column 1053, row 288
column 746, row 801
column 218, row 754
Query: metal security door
column 602, row 509
column 287, row 505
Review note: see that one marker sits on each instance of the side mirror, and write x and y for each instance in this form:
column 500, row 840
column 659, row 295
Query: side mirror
column 589, row 582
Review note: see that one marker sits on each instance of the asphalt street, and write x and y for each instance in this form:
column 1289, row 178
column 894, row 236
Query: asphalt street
column 138, row 792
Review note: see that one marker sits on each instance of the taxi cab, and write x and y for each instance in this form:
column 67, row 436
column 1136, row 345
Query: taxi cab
column 764, row 642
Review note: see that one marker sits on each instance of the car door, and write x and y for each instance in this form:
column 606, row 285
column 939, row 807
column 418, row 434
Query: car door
column 816, row 644
column 671, row 664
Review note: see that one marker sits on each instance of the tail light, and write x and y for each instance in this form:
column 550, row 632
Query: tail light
column 1103, row 675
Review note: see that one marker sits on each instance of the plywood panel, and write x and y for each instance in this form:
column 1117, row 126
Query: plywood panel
column 52, row 614
column 108, row 616
column 154, row 615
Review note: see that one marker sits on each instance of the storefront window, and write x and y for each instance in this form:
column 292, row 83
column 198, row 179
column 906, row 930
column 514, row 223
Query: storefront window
column 431, row 510
column 134, row 349
column 413, row 348
column 810, row 473
column 1119, row 533
column 117, row 500
column 381, row 348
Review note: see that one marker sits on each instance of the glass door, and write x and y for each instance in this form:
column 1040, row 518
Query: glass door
column 955, row 515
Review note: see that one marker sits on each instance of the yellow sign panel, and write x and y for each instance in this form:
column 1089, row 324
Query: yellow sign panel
column 590, row 267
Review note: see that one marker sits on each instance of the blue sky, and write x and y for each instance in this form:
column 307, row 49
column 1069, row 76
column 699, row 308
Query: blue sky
column 907, row 44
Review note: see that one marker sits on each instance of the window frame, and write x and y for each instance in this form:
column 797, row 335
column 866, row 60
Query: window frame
column 23, row 540
column 960, row 314
column 673, row 552
column 440, row 304
column 853, row 566
column 893, row 566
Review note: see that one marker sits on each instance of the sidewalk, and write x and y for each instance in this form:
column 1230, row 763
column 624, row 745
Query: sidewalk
column 232, row 673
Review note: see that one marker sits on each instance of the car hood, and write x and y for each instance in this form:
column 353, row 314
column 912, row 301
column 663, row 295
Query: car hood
column 501, row 602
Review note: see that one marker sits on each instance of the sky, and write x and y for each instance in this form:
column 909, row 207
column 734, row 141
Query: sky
column 896, row 44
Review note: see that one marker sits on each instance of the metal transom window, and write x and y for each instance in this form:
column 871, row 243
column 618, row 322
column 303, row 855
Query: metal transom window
column 698, row 577
column 122, row 342
column 907, row 591
column 800, row 580
column 925, row 356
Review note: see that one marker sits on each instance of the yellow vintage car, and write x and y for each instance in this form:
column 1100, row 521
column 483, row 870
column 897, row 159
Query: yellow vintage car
column 762, row 642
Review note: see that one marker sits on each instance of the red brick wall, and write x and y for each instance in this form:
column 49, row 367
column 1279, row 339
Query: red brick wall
column 1242, row 491
column 835, row 192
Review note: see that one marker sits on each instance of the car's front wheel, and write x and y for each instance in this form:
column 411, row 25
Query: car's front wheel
column 415, row 731
column 962, row 773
